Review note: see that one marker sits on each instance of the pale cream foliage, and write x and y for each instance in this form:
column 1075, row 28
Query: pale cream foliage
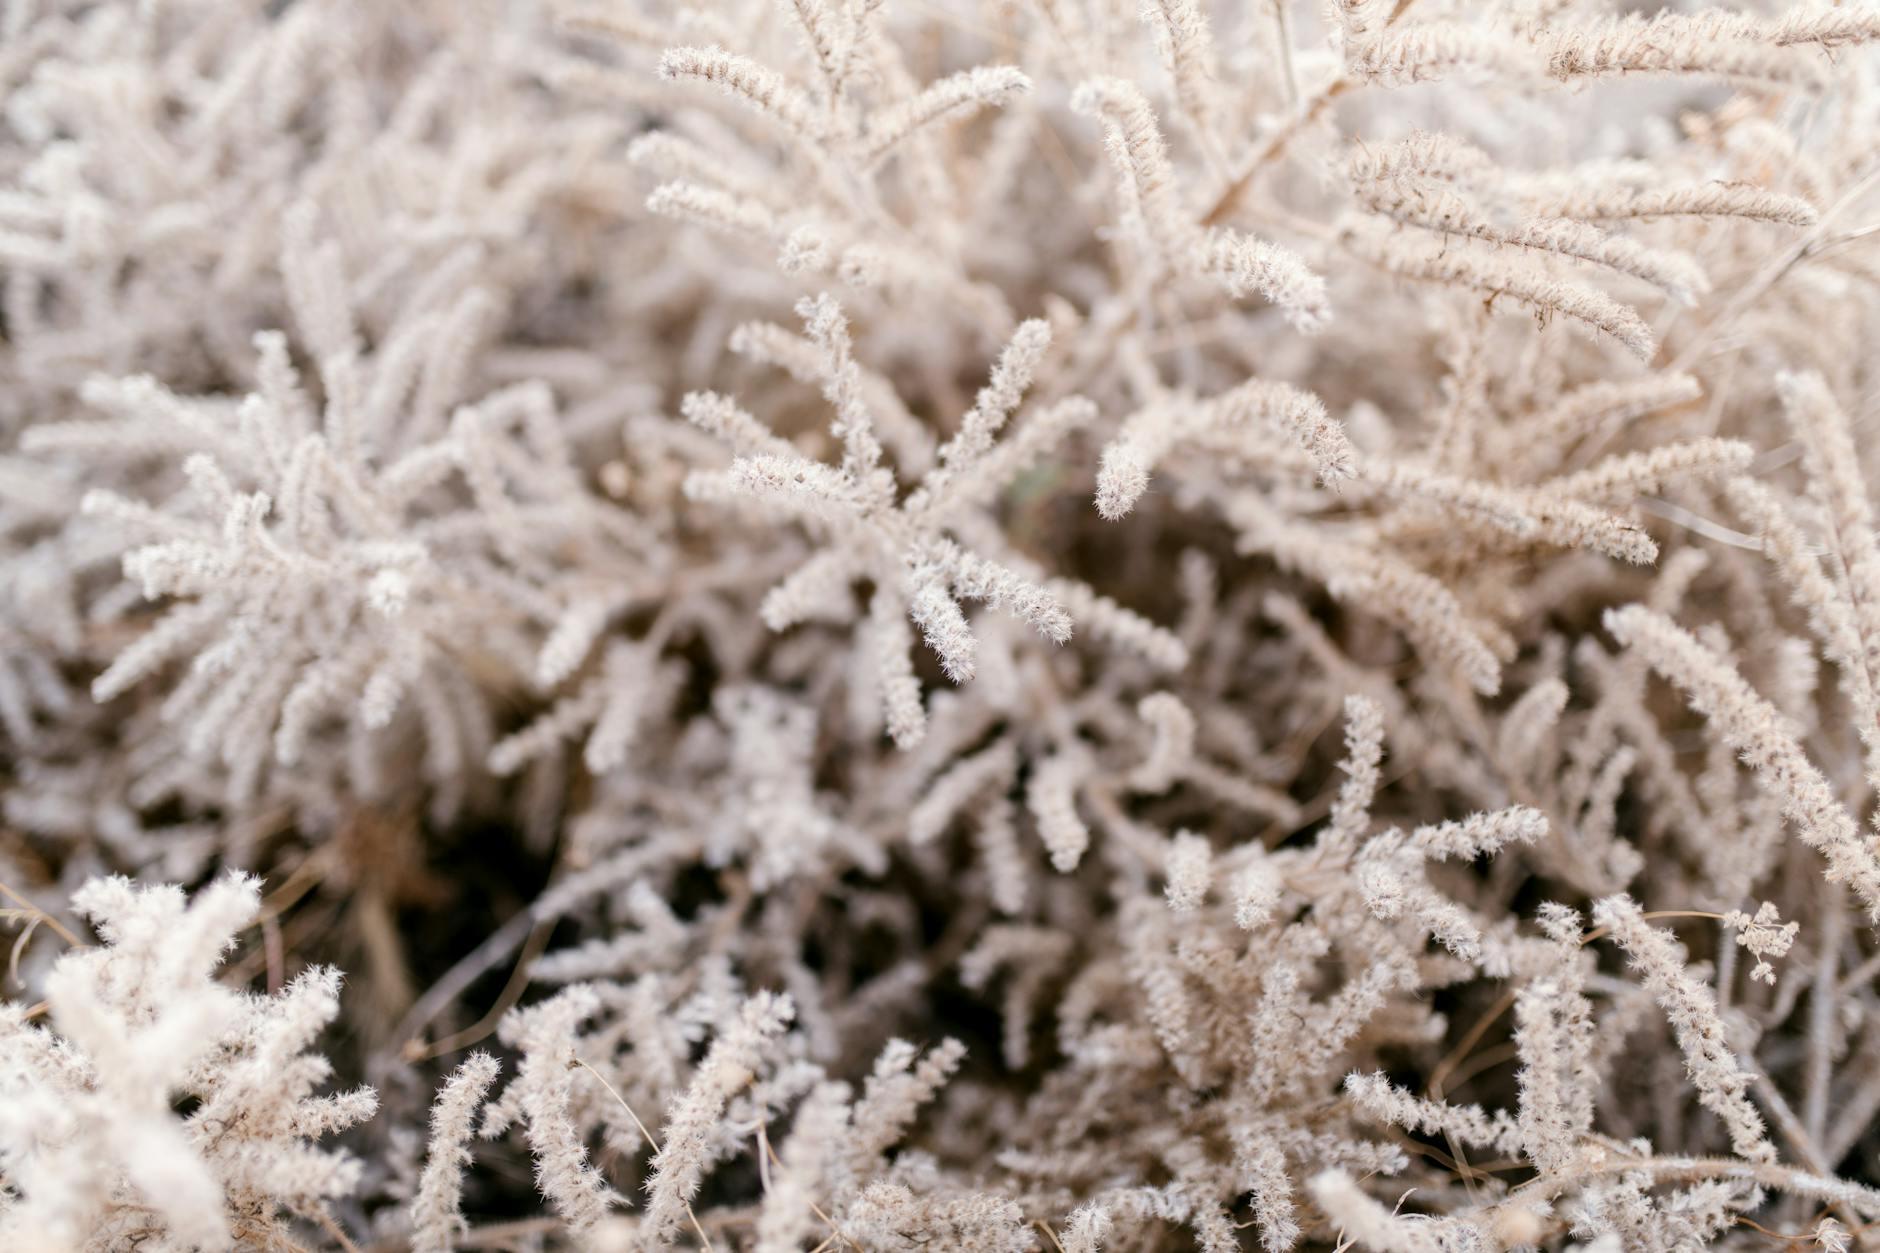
column 1005, row 626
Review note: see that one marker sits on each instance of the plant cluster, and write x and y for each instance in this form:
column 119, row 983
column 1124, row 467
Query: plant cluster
column 1050, row 625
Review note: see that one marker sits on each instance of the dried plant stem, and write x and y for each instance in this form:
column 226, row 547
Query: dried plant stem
column 835, row 1228
column 1746, row 296
column 1823, row 1007
column 41, row 916
column 523, row 929
column 705, row 1241
column 1303, row 116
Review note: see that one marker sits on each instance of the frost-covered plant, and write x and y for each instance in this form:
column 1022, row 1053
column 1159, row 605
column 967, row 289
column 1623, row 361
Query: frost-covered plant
column 1064, row 625
column 93, row 1148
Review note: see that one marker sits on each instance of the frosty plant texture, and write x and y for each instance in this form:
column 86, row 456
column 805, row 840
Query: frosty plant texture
column 1068, row 626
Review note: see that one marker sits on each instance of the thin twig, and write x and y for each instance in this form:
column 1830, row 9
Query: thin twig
column 499, row 1235
column 704, row 1240
column 58, row 928
column 484, row 957
column 1771, row 274
column 833, row 1225
column 330, row 1225
column 1823, row 1004
column 1225, row 203
column 1289, row 75
column 415, row 1050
